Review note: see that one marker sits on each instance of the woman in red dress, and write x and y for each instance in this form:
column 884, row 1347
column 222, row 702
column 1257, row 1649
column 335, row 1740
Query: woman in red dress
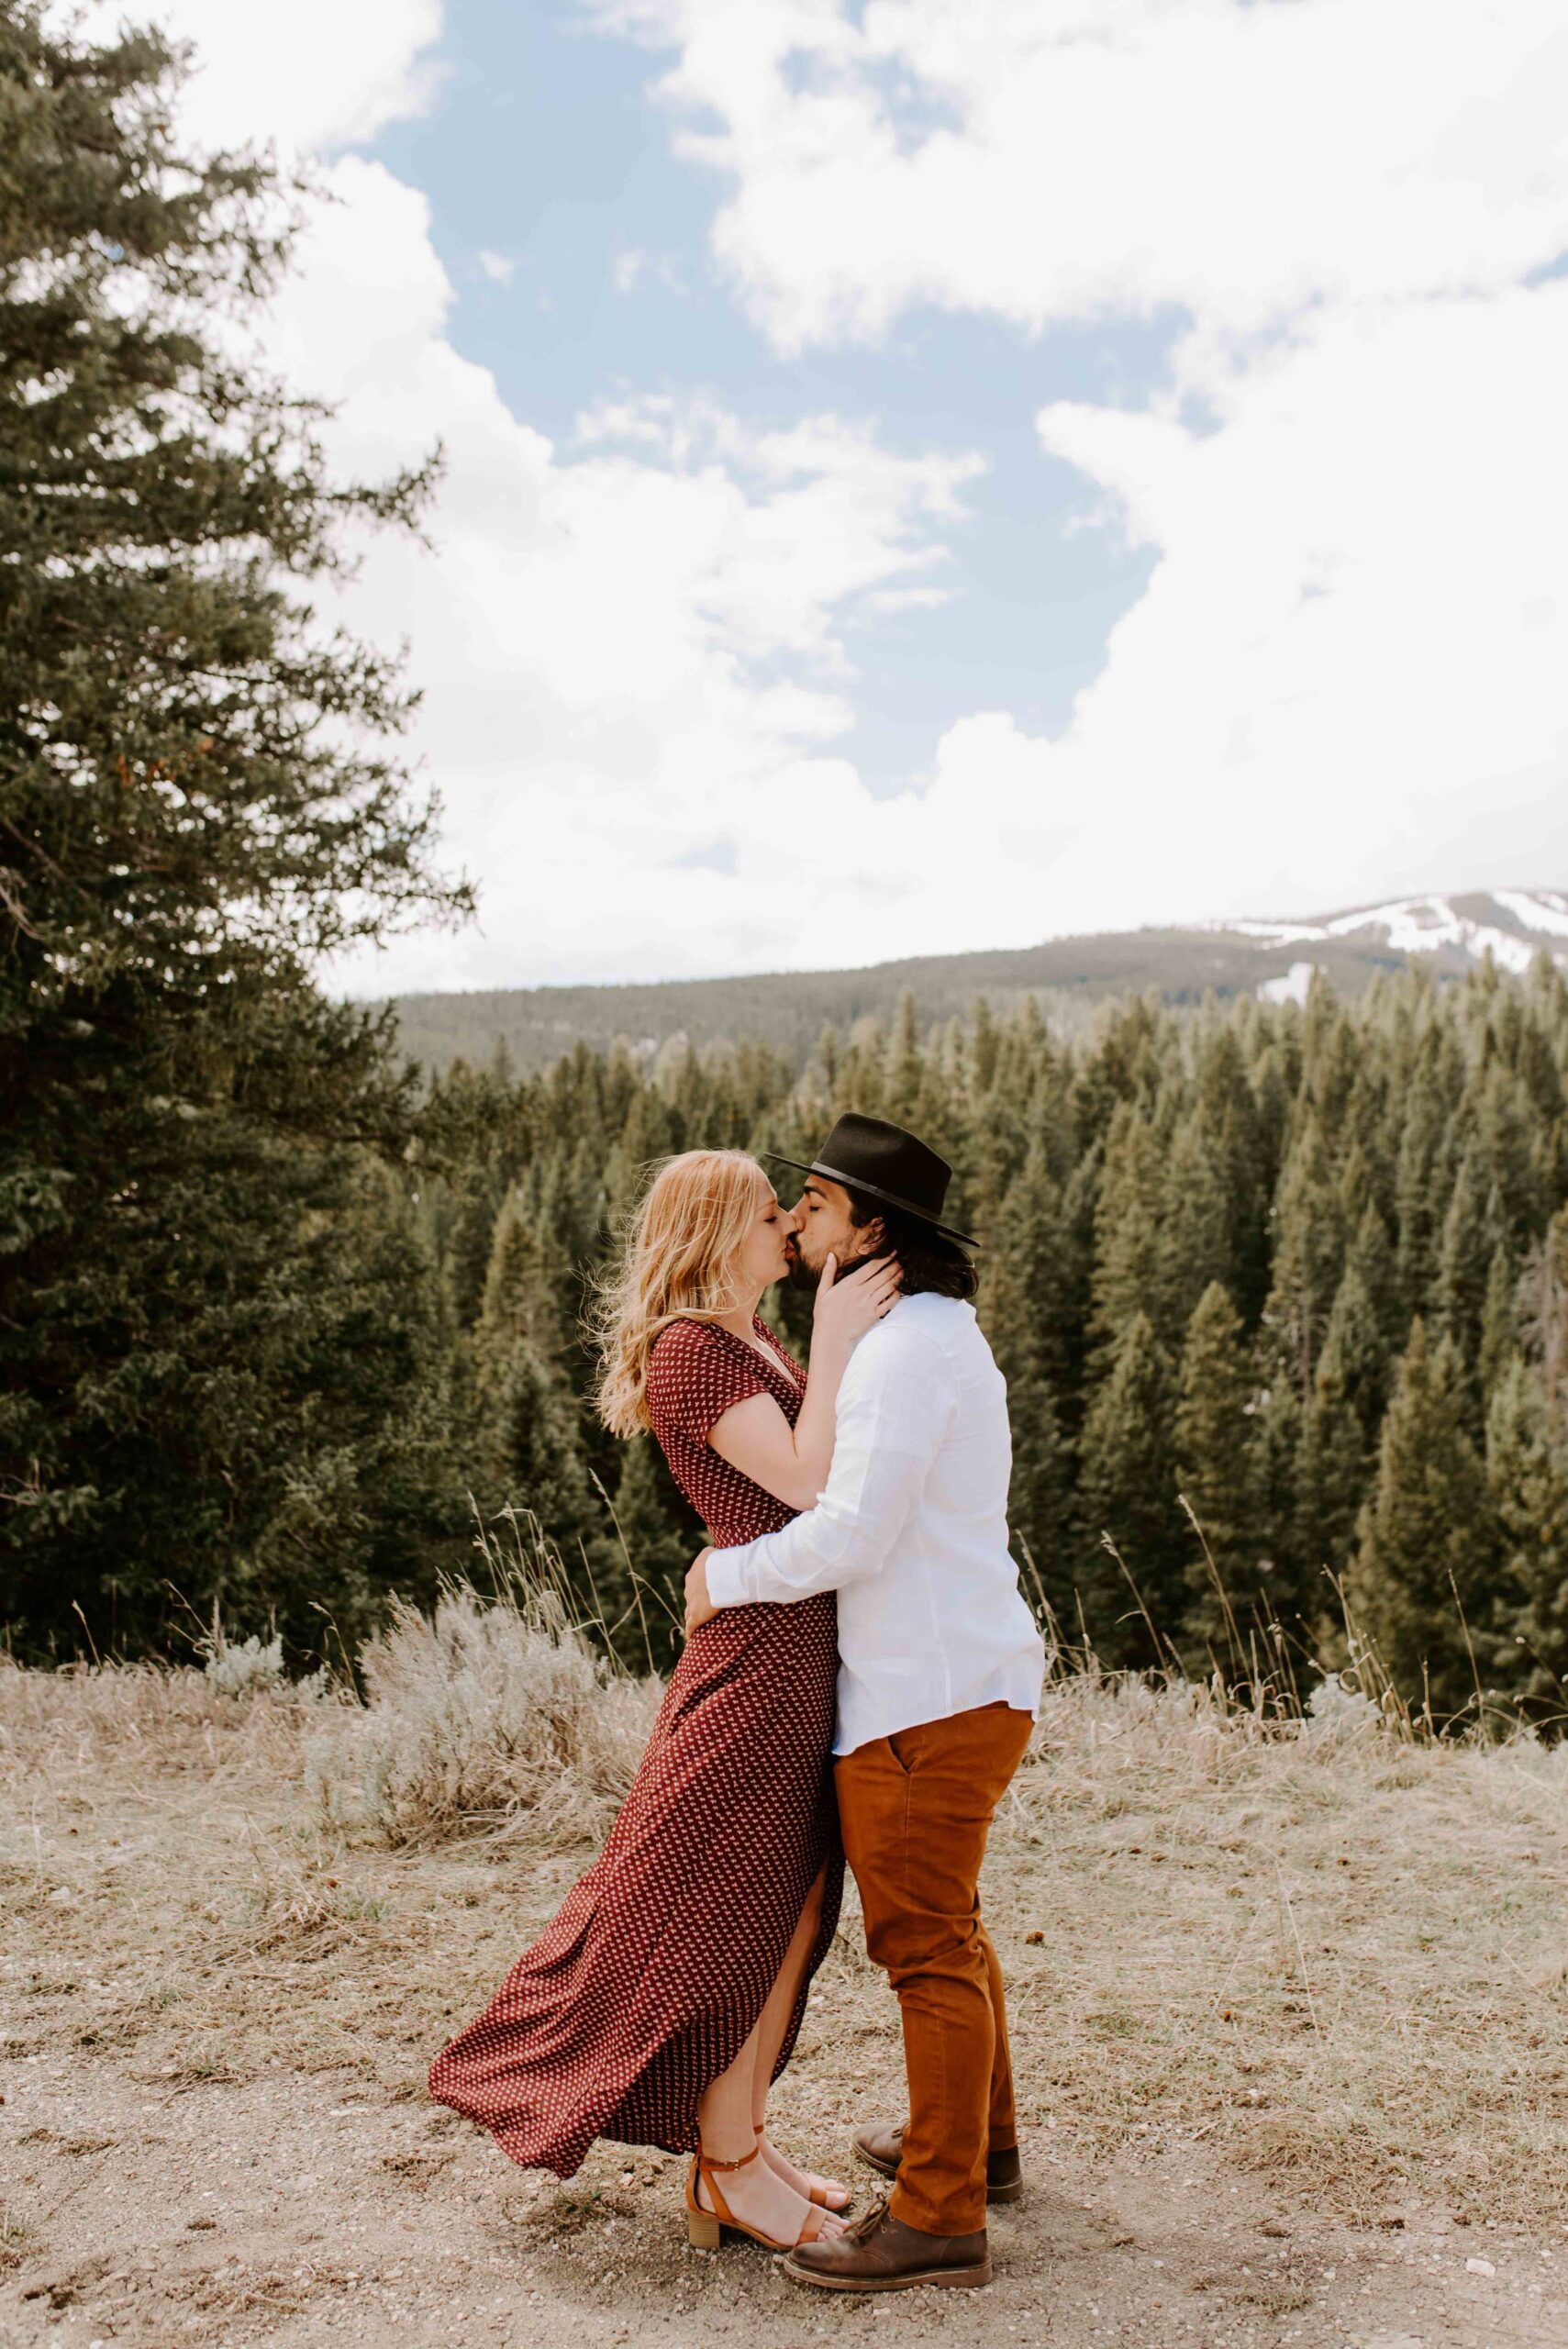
column 663, row 1998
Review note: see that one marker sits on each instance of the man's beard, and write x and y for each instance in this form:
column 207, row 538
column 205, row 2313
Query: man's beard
column 809, row 1276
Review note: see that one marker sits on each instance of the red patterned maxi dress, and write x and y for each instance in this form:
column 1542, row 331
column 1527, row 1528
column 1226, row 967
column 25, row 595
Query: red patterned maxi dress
column 646, row 1983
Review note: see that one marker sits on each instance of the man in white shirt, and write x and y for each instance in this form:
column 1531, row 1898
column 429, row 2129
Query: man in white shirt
column 940, row 1665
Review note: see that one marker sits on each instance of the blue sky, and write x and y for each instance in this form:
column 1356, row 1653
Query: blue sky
column 547, row 146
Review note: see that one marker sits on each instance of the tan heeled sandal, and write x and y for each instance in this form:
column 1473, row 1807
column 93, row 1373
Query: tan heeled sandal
column 704, row 2229
column 815, row 2193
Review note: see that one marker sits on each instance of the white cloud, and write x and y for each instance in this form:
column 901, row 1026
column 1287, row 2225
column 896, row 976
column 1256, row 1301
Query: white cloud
column 499, row 268
column 1346, row 663
column 636, row 645
column 1073, row 157
column 1343, row 676
column 630, row 646
column 305, row 74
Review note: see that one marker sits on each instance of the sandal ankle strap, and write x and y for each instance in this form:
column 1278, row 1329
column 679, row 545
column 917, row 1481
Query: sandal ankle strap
column 707, row 2165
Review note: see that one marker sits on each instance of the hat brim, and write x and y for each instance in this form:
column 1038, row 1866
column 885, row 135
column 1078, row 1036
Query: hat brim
column 870, row 1191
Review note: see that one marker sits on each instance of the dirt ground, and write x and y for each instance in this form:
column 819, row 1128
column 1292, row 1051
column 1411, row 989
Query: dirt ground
column 217, row 2022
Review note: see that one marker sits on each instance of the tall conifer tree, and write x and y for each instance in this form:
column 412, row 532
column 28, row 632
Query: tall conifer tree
column 1526, row 1625
column 197, row 801
column 1426, row 1539
column 1194, row 1251
column 1127, row 1266
column 1127, row 1490
column 1216, row 1469
column 1348, row 1392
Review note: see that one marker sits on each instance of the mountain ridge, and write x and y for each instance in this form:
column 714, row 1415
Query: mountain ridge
column 1182, row 962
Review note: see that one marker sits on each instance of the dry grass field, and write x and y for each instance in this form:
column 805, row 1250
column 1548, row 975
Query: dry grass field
column 1291, row 2015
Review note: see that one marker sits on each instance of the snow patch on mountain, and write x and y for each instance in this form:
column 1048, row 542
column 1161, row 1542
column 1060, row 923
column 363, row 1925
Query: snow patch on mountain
column 1540, row 910
column 1291, row 986
column 1530, row 920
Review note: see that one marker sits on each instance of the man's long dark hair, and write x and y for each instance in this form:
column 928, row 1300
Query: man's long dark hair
column 931, row 1265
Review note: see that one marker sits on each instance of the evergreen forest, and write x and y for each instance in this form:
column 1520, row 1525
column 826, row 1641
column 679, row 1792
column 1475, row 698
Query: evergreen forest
column 1297, row 1276
column 1281, row 1291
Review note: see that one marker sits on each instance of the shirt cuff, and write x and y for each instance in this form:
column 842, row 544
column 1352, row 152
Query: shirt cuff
column 725, row 1586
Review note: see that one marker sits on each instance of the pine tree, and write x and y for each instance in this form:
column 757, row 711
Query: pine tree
column 1230, row 1124
column 1294, row 1563
column 1332, row 1474
column 533, row 1453
column 1038, row 1496
column 1217, row 1474
column 467, row 1240
column 1028, row 1294
column 1473, row 1232
column 1355, row 1355
column 982, row 1046
column 1127, row 1228
column 1022, row 1304
column 197, row 802
column 1193, row 1249
column 1348, row 1393
column 1545, row 1288
column 518, row 1302
column 1426, row 1537
column 1499, row 1322
column 1520, row 1202
column 1330, row 1056
column 906, row 1067
column 1309, row 1254
column 1526, row 1629
column 1421, row 1183
column 1127, row 1490
column 1370, row 1255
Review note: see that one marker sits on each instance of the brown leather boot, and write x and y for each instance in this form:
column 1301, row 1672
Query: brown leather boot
column 880, row 2254
column 880, row 2145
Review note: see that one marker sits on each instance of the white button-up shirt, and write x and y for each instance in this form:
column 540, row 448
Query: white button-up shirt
column 911, row 1531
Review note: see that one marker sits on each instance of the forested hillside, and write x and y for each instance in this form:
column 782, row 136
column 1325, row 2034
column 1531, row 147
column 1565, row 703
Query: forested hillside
column 1065, row 977
column 1306, row 1268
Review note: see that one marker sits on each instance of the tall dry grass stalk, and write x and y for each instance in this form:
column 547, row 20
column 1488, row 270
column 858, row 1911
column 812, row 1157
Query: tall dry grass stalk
column 1282, row 1682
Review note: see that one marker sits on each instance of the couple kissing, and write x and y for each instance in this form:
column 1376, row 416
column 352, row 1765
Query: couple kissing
column 860, row 1679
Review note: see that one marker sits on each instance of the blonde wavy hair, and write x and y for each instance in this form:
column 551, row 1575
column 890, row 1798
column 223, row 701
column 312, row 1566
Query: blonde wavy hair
column 677, row 1262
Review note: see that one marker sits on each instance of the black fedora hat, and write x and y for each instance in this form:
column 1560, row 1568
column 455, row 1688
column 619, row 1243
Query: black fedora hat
column 887, row 1163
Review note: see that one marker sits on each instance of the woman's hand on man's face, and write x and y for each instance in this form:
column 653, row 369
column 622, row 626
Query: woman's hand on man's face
column 849, row 1303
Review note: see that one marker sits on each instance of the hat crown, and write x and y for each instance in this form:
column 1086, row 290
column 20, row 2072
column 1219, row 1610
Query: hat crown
column 887, row 1160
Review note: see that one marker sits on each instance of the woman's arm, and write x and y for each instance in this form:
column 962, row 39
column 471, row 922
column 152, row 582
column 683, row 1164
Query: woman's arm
column 755, row 1437
column 895, row 1413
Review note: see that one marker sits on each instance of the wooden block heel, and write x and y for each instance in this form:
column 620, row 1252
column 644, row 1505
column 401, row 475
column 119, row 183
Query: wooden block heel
column 702, row 2230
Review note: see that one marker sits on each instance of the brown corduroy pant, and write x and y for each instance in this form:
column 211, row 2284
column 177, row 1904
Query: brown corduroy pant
column 915, row 1810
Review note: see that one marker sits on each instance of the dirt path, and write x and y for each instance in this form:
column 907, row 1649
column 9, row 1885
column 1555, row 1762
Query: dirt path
column 293, row 2211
